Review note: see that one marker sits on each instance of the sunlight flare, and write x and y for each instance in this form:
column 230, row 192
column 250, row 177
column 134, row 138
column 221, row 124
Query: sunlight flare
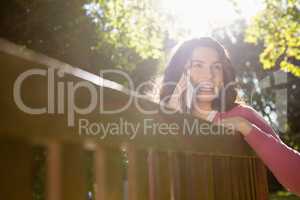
column 200, row 17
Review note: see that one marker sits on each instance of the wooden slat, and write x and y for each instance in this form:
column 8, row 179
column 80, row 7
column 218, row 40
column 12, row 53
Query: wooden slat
column 179, row 175
column 73, row 184
column 222, row 188
column 151, row 173
column 16, row 175
column 197, row 176
column 109, row 171
column 227, row 176
column 53, row 174
column 159, row 175
column 236, row 176
column 193, row 177
column 247, row 179
column 138, row 180
column 252, row 177
column 176, row 187
column 261, row 180
column 207, row 177
column 255, row 176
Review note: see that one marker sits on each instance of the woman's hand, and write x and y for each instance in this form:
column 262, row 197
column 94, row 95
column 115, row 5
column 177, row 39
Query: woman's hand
column 174, row 101
column 236, row 123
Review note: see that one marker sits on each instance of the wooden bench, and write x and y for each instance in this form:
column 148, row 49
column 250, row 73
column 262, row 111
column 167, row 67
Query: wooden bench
column 149, row 166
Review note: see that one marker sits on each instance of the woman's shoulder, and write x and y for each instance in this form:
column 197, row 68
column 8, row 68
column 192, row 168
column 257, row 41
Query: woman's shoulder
column 253, row 116
column 247, row 112
column 239, row 110
column 244, row 110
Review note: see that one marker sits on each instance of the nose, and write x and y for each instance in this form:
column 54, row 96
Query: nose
column 202, row 74
column 207, row 73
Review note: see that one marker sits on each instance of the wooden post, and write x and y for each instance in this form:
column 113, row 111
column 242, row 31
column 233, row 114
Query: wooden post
column 109, row 174
column 53, row 174
column 138, row 182
column 65, row 172
column 159, row 176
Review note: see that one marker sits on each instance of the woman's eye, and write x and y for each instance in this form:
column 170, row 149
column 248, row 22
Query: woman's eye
column 217, row 66
column 197, row 65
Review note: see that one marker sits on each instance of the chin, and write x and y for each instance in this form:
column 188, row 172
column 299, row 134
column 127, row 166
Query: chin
column 206, row 97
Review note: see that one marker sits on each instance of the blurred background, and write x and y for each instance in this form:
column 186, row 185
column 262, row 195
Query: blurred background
column 137, row 36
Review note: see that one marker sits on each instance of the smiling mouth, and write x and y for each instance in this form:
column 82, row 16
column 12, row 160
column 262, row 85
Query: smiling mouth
column 205, row 87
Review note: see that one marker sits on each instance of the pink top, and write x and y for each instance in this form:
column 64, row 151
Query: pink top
column 282, row 161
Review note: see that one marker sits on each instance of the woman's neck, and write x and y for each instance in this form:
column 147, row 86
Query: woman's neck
column 202, row 109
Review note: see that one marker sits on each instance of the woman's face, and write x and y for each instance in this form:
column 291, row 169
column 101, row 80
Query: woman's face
column 206, row 73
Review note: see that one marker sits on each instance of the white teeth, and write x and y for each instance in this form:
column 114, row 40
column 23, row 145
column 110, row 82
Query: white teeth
column 205, row 86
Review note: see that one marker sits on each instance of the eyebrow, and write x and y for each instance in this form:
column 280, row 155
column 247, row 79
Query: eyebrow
column 200, row 61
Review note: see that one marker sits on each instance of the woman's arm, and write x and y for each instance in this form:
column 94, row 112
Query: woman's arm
column 282, row 161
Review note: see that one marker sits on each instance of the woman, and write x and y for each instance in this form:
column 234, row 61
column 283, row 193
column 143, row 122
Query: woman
column 200, row 79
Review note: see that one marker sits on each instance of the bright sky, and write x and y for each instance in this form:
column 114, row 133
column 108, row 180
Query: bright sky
column 201, row 16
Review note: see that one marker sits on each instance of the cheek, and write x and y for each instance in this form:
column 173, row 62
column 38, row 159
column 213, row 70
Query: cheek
column 195, row 75
column 219, row 79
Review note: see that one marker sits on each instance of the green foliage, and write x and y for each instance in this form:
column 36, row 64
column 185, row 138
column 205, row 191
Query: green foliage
column 283, row 195
column 278, row 27
column 91, row 34
column 134, row 28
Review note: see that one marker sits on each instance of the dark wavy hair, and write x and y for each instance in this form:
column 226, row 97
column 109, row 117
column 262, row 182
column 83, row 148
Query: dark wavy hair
column 175, row 69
